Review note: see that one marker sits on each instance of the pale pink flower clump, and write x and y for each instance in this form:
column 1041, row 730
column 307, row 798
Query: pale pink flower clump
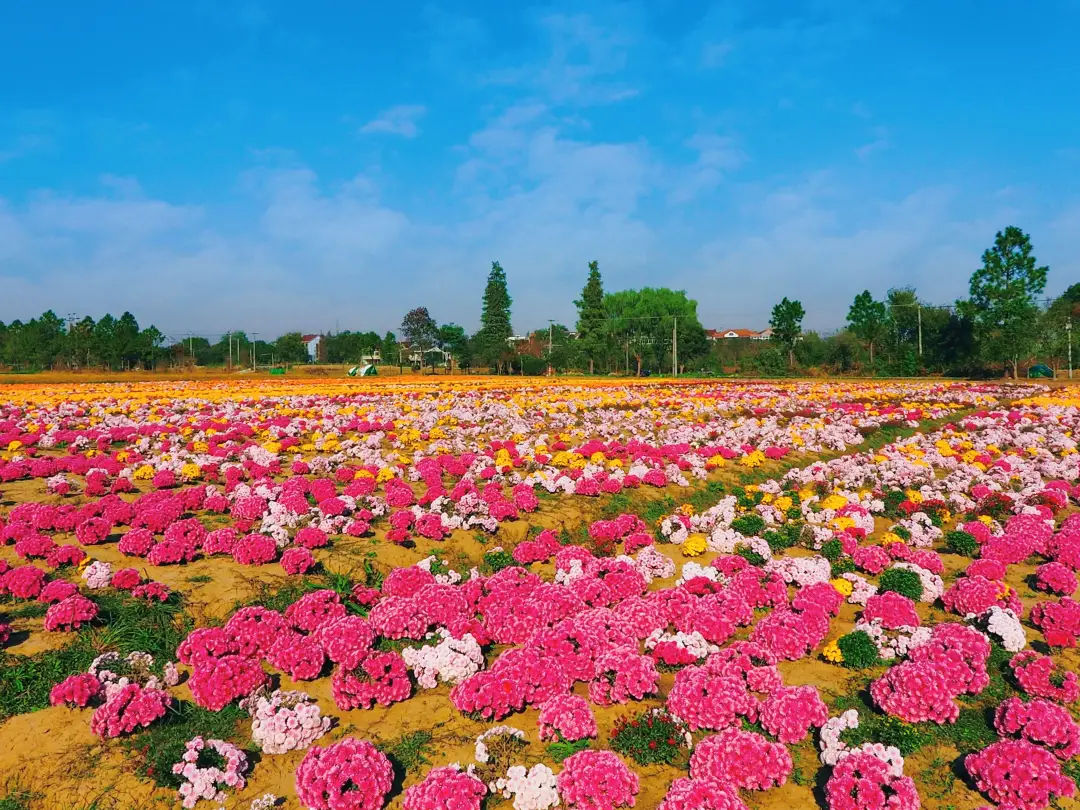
column 286, row 721
column 451, row 661
column 209, row 782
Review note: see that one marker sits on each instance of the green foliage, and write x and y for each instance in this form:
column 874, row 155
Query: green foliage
column 25, row 610
column 972, row 730
column 888, row 730
column 784, row 537
column 1003, row 304
column 25, row 681
column 962, row 543
column 123, row 624
column 279, row 597
column 786, row 323
column 904, row 582
column 832, row 549
column 17, row 799
column 844, row 565
column 649, row 738
column 750, row 555
column 749, row 525
column 592, row 335
column 892, row 500
column 901, row 532
column 858, row 649
column 640, row 324
column 617, row 504
column 658, row 509
column 495, row 329
column 410, row 751
column 419, row 329
column 561, row 749
column 868, row 320
column 496, row 561
column 155, row 749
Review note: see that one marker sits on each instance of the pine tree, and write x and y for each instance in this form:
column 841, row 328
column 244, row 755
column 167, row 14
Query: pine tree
column 1004, row 298
column 591, row 315
column 495, row 327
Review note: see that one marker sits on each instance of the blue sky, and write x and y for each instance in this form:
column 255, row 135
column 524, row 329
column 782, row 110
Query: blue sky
column 277, row 166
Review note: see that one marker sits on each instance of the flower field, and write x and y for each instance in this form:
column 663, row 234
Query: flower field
column 502, row 593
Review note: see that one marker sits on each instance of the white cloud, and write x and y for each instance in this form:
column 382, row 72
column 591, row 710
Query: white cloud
column 400, row 120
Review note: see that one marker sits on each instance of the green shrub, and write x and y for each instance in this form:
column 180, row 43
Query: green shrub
column 972, row 730
column 832, row 549
column 858, row 649
column 409, row 751
column 750, row 555
column 651, row 737
column 888, row 730
column 893, row 499
column 845, row 565
column 902, row 581
column 497, row 561
column 901, row 532
column 962, row 543
column 561, row 749
column 749, row 525
column 783, row 538
column 617, row 504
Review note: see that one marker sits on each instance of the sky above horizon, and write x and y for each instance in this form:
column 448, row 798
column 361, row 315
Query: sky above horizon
column 276, row 167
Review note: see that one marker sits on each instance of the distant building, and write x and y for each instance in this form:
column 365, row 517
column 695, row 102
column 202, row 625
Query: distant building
column 316, row 348
column 732, row 334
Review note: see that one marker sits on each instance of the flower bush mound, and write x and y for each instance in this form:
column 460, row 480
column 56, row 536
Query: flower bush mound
column 551, row 556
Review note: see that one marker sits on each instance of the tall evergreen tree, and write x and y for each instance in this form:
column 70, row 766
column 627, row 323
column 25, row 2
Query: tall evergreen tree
column 495, row 327
column 786, row 323
column 1003, row 303
column 868, row 319
column 591, row 316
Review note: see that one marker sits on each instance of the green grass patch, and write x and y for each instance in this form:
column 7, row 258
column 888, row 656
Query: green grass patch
column 26, row 610
column 17, row 799
column 561, row 749
column 410, row 751
column 124, row 624
column 160, row 746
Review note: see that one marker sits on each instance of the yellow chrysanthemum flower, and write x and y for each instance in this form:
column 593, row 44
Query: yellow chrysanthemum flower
column 694, row 545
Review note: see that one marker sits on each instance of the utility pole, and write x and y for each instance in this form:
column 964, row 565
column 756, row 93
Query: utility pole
column 675, row 347
column 254, row 343
column 919, row 311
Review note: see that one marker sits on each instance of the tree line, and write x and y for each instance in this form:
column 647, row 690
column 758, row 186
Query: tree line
column 1003, row 324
